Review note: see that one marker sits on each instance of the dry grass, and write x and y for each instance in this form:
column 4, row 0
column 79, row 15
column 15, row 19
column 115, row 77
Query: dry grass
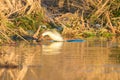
column 77, row 17
column 13, row 10
column 88, row 14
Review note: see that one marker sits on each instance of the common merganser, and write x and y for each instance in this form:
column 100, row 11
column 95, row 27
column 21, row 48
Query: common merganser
column 53, row 34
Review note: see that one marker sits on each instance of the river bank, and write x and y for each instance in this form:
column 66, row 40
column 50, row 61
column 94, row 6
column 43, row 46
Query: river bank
column 73, row 19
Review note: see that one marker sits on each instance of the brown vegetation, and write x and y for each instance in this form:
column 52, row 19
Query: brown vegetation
column 78, row 18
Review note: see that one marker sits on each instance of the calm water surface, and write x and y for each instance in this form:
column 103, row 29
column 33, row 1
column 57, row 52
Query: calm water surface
column 93, row 59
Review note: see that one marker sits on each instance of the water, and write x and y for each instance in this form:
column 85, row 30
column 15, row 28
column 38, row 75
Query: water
column 93, row 59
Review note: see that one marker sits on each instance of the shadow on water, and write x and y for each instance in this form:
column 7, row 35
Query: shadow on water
column 89, row 60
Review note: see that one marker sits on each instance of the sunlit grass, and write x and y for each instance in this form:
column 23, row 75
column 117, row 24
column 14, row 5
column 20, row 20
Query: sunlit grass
column 24, row 18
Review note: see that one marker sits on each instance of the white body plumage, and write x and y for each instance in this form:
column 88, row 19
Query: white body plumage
column 53, row 35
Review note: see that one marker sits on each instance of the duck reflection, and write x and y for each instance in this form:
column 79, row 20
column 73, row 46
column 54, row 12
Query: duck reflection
column 52, row 48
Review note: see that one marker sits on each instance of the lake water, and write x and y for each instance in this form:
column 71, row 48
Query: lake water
column 94, row 59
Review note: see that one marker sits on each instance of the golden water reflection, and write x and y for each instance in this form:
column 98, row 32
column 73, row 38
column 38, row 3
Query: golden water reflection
column 91, row 60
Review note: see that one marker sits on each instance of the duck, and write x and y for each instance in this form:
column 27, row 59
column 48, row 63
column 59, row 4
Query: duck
column 57, row 37
column 53, row 34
